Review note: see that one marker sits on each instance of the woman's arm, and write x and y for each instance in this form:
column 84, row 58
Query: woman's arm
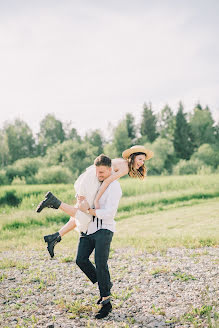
column 120, row 173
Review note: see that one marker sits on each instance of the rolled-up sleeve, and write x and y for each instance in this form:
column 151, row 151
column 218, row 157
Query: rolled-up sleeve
column 108, row 212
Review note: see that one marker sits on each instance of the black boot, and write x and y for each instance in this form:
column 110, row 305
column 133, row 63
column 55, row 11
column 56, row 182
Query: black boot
column 49, row 201
column 52, row 240
column 105, row 309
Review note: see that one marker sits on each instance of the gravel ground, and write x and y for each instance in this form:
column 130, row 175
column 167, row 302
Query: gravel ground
column 179, row 288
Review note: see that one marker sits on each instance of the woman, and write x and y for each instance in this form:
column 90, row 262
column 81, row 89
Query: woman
column 132, row 164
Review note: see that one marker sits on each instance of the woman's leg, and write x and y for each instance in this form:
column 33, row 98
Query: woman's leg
column 70, row 225
column 69, row 209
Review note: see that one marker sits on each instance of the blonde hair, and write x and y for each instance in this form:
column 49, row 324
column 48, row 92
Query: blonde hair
column 140, row 173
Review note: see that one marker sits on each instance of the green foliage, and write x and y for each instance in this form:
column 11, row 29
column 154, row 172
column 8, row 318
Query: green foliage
column 20, row 141
column 121, row 140
column 172, row 221
column 3, row 178
column 10, row 198
column 131, row 128
column 95, row 138
column 109, row 150
column 163, row 156
column 166, row 123
column 4, row 153
column 183, row 144
column 148, row 123
column 61, row 145
column 51, row 132
column 71, row 133
column 54, row 174
column 208, row 155
column 187, row 167
column 72, row 155
column 18, row 181
column 202, row 126
column 26, row 167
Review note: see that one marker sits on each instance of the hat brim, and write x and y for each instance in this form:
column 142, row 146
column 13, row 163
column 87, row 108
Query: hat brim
column 148, row 153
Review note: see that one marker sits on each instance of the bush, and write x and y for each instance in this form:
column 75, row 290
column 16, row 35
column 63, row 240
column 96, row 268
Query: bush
column 205, row 170
column 3, row 178
column 208, row 155
column 54, row 174
column 163, row 156
column 26, row 167
column 72, row 155
column 10, row 198
column 18, row 181
column 187, row 167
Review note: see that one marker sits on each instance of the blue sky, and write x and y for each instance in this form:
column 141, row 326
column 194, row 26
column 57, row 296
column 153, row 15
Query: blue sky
column 91, row 62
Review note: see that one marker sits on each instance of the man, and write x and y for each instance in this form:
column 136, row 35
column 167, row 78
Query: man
column 99, row 232
column 99, row 236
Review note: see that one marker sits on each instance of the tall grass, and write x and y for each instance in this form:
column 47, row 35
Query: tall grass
column 158, row 195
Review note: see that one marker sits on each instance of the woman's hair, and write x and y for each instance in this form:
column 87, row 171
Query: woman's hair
column 136, row 173
column 103, row 160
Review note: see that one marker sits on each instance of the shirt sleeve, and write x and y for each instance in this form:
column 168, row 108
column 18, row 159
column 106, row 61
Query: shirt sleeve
column 108, row 212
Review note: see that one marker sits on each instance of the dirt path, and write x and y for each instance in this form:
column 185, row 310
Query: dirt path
column 175, row 289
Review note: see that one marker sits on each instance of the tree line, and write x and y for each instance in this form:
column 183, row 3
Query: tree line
column 182, row 143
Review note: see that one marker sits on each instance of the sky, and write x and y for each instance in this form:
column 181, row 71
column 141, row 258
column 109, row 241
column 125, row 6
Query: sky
column 91, row 62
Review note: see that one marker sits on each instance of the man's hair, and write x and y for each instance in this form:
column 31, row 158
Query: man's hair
column 103, row 160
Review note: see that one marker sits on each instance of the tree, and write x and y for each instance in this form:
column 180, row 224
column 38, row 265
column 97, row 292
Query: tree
column 51, row 132
column 183, row 143
column 166, row 123
column 121, row 140
column 202, row 126
column 24, row 168
column 4, row 153
column 208, row 155
column 163, row 159
column 20, row 140
column 70, row 132
column 73, row 135
column 131, row 128
column 148, row 123
column 72, row 154
column 96, row 139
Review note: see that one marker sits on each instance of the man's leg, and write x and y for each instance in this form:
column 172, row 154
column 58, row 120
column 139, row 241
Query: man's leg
column 85, row 248
column 103, row 240
column 102, row 248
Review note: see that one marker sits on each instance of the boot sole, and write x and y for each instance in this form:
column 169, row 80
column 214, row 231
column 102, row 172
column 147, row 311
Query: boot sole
column 41, row 206
column 101, row 317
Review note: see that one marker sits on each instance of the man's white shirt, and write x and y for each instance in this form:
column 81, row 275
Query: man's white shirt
column 109, row 203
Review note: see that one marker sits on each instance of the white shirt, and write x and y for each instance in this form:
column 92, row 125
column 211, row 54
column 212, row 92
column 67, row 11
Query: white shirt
column 109, row 203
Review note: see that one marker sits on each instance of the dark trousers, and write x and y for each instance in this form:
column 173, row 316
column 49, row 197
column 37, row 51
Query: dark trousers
column 100, row 241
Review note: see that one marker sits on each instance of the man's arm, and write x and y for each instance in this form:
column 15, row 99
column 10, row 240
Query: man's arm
column 110, row 208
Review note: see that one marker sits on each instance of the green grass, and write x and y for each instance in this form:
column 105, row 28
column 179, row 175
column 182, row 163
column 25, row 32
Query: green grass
column 157, row 213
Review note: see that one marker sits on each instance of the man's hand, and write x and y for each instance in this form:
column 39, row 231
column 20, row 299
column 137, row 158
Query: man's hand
column 80, row 198
column 83, row 206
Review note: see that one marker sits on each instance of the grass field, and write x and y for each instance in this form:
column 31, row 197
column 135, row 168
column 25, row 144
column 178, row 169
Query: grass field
column 163, row 257
column 158, row 213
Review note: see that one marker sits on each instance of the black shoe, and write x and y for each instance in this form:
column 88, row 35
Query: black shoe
column 100, row 299
column 52, row 240
column 49, row 201
column 105, row 309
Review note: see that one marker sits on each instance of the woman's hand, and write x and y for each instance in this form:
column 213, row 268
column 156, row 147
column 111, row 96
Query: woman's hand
column 96, row 204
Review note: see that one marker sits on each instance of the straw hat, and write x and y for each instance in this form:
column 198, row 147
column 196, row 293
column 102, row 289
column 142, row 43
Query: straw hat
column 137, row 149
